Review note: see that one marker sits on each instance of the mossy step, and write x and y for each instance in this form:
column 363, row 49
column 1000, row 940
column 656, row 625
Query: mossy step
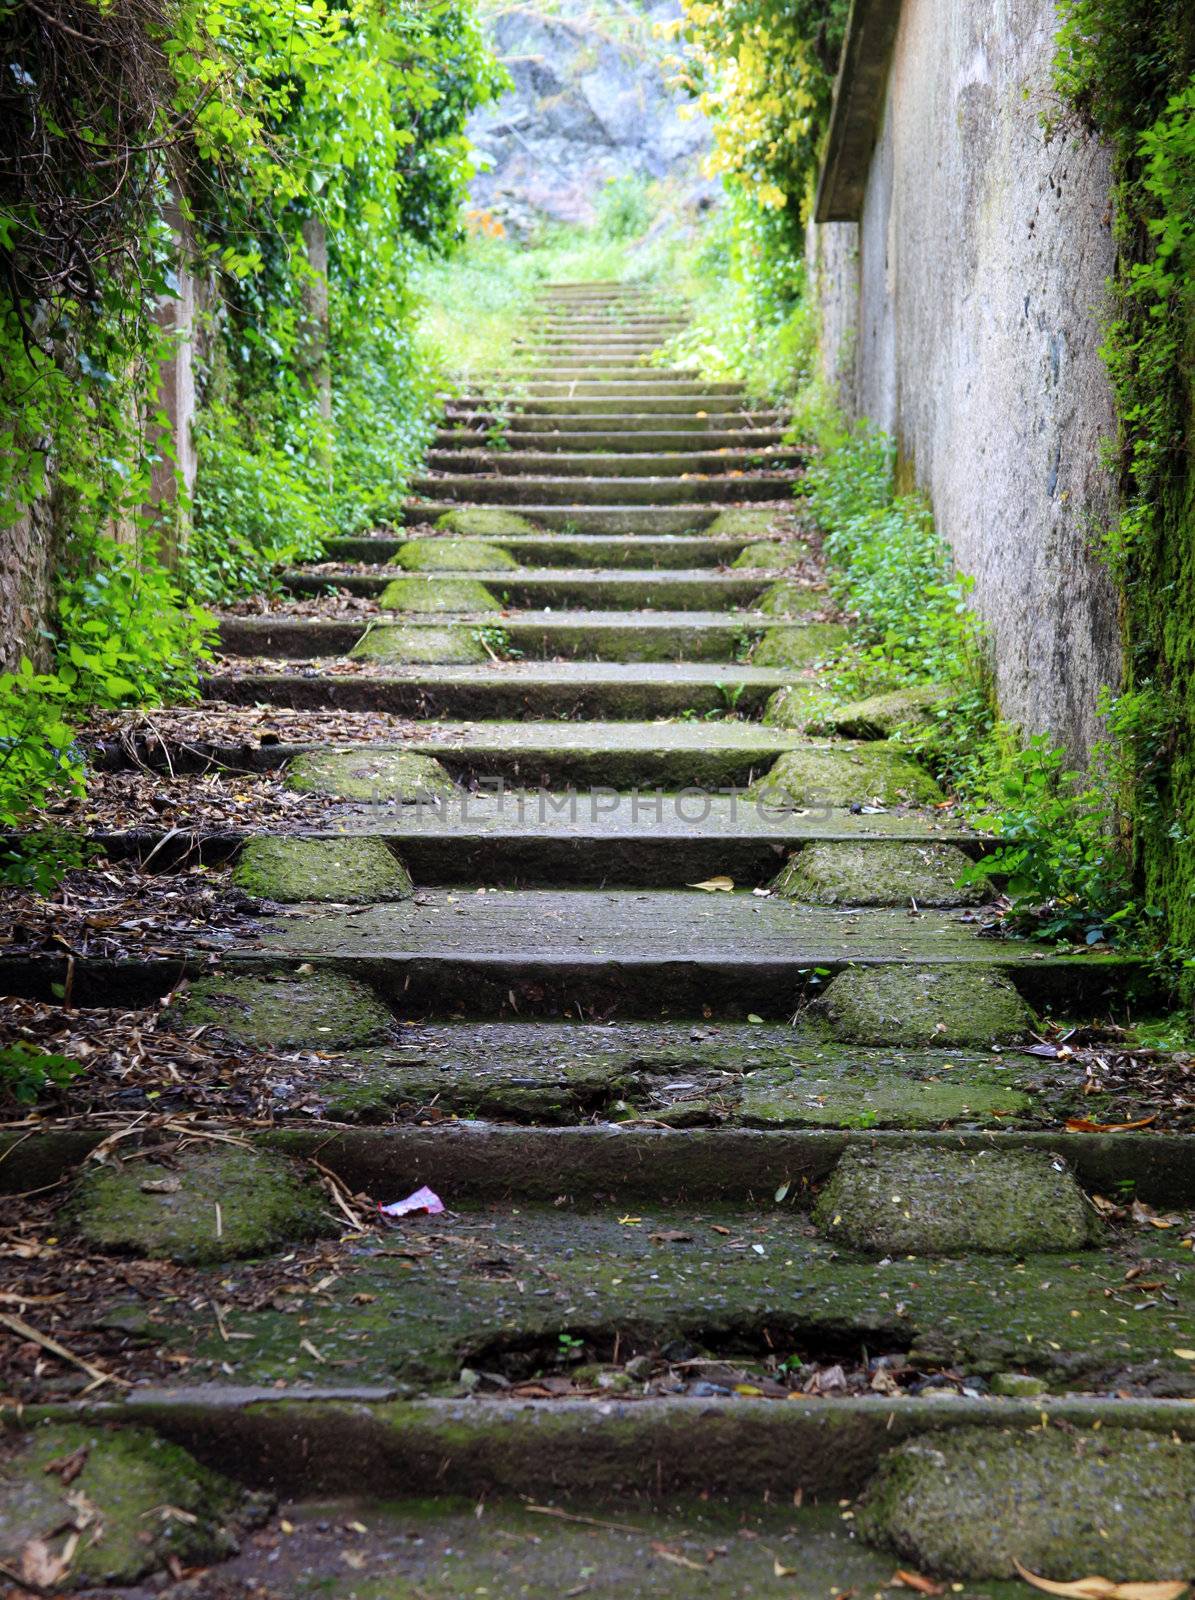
column 288, row 870
column 609, row 464
column 622, row 439
column 535, row 490
column 443, row 554
column 148, row 1502
column 624, row 389
column 591, row 550
column 572, row 404
column 665, row 1273
column 613, row 690
column 651, row 953
column 629, row 425
column 287, row 1010
column 846, row 874
column 582, row 635
column 632, row 520
column 673, row 589
column 915, row 1005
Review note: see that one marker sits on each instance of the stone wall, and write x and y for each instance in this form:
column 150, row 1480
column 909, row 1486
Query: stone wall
column 961, row 314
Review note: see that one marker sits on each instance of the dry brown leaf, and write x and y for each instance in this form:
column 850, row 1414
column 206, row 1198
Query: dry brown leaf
column 780, row 1571
column 41, row 1567
column 719, row 885
column 914, row 1580
column 68, row 1468
column 1082, row 1125
column 1097, row 1588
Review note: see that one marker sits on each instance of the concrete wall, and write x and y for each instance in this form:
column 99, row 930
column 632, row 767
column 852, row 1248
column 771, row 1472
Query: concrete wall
column 961, row 314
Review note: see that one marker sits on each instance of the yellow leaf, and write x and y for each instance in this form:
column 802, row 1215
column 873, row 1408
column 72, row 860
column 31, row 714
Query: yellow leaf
column 1185, row 1355
column 747, row 1388
column 718, row 885
column 1097, row 1588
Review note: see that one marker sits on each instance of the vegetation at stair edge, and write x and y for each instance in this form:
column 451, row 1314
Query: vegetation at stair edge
column 229, row 126
column 1127, row 69
column 1065, row 859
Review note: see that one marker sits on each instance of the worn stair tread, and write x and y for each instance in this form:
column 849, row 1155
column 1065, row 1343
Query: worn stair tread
column 632, row 423
column 623, row 439
column 642, row 463
column 675, row 588
column 610, row 519
column 595, row 551
column 459, row 1290
column 522, row 492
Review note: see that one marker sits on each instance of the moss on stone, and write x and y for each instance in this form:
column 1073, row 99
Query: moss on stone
column 884, row 1098
column 843, row 775
column 792, row 648
column 437, row 595
column 741, row 523
column 771, row 554
column 213, row 1202
column 452, row 555
column 381, row 776
column 968, row 1502
column 789, row 598
column 880, row 715
column 798, row 705
column 419, row 646
column 288, row 1010
column 883, row 873
column 485, row 522
column 135, row 1481
column 911, row 1005
column 345, row 870
column 913, row 1201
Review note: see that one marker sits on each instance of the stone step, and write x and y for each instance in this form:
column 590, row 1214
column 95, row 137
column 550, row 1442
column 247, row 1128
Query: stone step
column 675, row 590
column 537, row 689
column 609, row 464
column 586, row 346
column 575, row 550
column 644, row 384
column 655, row 491
column 582, row 635
column 649, row 953
column 618, row 373
column 650, row 438
column 627, row 520
column 577, row 403
column 630, row 424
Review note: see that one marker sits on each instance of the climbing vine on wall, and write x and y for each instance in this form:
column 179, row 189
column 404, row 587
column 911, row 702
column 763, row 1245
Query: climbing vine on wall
column 1127, row 68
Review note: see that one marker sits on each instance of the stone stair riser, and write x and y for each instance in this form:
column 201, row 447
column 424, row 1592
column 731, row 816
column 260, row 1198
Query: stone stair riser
column 529, row 491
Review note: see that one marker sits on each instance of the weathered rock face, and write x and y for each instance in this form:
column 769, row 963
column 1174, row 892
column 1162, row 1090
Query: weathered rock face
column 590, row 103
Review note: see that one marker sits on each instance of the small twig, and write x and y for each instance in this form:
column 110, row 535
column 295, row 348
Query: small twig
column 52, row 1345
column 593, row 1522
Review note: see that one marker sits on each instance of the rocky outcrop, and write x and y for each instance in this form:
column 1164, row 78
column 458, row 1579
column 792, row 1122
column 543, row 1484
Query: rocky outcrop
column 590, row 103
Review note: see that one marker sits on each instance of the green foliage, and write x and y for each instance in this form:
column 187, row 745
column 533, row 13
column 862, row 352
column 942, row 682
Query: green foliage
column 38, row 757
column 26, row 1072
column 126, row 634
column 624, row 208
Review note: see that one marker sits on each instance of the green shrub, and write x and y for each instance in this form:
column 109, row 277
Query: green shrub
column 27, row 1072
column 39, row 760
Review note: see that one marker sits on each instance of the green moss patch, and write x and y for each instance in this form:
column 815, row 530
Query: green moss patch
column 382, row 776
column 842, row 775
column 798, row 647
column 741, row 523
column 829, row 873
column 341, row 870
column 437, row 595
column 911, row 1005
column 770, row 555
column 154, row 1501
column 289, row 1010
column 914, row 1201
column 788, row 598
column 211, row 1202
column 419, row 646
column 798, row 705
column 452, row 555
column 880, row 715
column 484, row 522
column 926, row 1094
column 968, row 1502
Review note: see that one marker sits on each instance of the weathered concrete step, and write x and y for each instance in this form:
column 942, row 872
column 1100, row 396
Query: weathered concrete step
column 634, row 387
column 484, row 415
column 630, row 375
column 578, row 404
column 619, row 755
column 656, row 491
column 630, row 520
column 675, row 590
column 549, row 361
column 575, row 550
column 583, row 635
column 599, row 347
column 648, row 438
column 571, row 689
column 652, row 953
column 608, row 464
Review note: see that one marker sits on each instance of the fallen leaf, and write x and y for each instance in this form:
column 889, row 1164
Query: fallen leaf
column 1185, row 1355
column 1082, row 1125
column 718, row 885
column 670, row 1236
column 782, row 1572
column 41, row 1567
column 914, row 1580
column 68, row 1468
column 1097, row 1588
column 782, row 1192
column 168, row 1185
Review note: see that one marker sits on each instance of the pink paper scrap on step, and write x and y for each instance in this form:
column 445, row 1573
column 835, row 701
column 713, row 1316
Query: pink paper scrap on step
column 424, row 1199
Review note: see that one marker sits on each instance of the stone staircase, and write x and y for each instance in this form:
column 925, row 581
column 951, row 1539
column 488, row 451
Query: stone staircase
column 634, row 949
